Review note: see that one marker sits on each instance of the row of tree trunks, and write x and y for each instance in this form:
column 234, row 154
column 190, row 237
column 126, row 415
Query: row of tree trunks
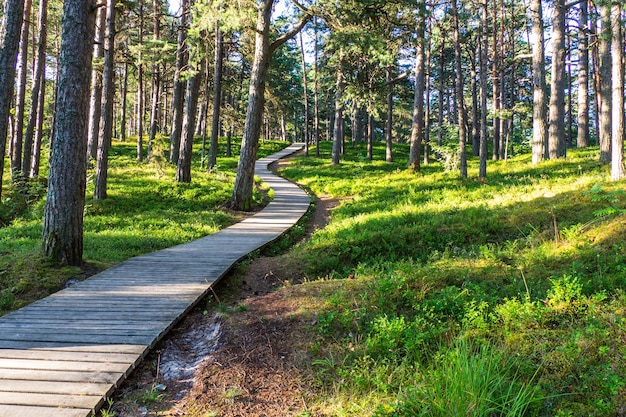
column 12, row 24
column 22, row 68
column 95, row 106
column 105, row 132
column 34, row 129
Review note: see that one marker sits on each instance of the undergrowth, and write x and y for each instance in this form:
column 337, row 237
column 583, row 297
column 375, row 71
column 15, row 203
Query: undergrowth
column 502, row 297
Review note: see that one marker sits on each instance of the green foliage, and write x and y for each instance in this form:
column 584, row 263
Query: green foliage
column 469, row 380
column 519, row 268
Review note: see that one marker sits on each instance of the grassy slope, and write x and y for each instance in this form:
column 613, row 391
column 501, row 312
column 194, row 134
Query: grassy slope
column 146, row 210
column 434, row 275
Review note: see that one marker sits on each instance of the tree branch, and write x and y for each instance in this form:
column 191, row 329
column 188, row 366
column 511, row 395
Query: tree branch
column 293, row 32
column 400, row 77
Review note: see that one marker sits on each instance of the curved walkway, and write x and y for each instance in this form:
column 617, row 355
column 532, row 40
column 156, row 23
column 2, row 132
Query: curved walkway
column 63, row 355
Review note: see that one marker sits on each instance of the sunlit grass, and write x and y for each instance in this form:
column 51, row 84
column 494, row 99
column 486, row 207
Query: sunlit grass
column 432, row 259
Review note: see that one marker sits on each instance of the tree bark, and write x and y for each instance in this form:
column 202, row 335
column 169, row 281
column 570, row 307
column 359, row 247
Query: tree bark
column 483, row 47
column 337, row 130
column 10, row 33
column 307, row 138
column 217, row 95
column 124, row 94
column 495, row 155
column 595, row 54
column 156, row 79
column 475, row 124
column 65, row 202
column 95, row 105
column 106, row 117
column 459, row 93
column 556, row 132
column 441, row 91
column 427, row 105
column 540, row 127
column 316, row 95
column 617, row 77
column 140, row 93
column 242, row 193
column 582, row 139
column 36, row 156
column 417, row 124
column 605, row 84
column 389, row 123
column 178, row 99
column 20, row 94
column 38, row 85
column 183, row 168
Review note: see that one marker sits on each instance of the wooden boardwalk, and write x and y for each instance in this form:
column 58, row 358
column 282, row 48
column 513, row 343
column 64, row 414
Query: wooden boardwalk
column 63, row 355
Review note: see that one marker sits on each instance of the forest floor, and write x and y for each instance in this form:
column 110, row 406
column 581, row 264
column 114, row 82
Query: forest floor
column 240, row 354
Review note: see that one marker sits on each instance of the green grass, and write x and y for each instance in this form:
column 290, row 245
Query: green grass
column 146, row 210
column 530, row 262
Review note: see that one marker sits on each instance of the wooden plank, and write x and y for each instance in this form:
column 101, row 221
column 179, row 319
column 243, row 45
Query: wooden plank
column 51, row 400
column 78, row 338
column 73, row 366
column 55, row 387
column 60, row 355
column 62, row 376
column 27, row 411
column 74, row 347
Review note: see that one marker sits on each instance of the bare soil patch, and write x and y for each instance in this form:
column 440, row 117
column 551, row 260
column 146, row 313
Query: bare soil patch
column 248, row 358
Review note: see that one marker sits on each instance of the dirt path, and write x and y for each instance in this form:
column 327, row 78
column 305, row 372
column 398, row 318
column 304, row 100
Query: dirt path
column 244, row 359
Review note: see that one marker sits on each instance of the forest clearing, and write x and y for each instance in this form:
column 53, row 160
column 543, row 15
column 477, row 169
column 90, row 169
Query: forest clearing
column 474, row 262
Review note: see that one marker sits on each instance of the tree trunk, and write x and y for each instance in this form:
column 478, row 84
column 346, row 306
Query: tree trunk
column 106, row 118
column 316, row 95
column 495, row 87
column 556, row 134
column 183, row 168
column 20, row 95
column 417, row 125
column 242, row 193
column 370, row 135
column 337, row 131
column 217, row 94
column 38, row 84
column 178, row 99
column 306, row 100
column 605, row 85
column 140, row 92
column 156, row 79
column 124, row 94
column 582, row 139
column 459, row 93
column 10, row 33
column 595, row 81
column 483, row 47
column 475, row 124
column 617, row 77
column 389, row 123
column 540, row 128
column 427, row 106
column 441, row 91
column 36, row 156
column 95, row 105
column 64, row 211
